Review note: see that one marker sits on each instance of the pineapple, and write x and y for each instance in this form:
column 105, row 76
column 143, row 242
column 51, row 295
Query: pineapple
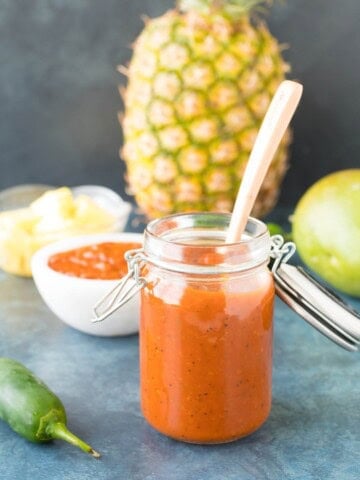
column 199, row 83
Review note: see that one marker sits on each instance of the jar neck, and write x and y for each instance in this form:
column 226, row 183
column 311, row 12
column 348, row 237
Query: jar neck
column 195, row 243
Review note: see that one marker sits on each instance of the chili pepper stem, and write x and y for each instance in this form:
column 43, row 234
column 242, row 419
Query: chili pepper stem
column 60, row 431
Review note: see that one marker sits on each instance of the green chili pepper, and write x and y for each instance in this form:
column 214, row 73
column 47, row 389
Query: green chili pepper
column 31, row 409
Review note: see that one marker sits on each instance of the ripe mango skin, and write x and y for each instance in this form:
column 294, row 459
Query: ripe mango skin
column 326, row 229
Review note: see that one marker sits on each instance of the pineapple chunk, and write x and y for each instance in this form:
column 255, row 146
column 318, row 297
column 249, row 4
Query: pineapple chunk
column 54, row 215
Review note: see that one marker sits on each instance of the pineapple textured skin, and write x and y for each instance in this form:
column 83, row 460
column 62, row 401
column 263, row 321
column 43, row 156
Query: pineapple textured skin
column 198, row 88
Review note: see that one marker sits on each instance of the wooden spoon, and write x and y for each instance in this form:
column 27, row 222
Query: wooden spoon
column 273, row 127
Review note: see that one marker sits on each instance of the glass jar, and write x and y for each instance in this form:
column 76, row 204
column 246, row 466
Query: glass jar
column 206, row 322
column 205, row 328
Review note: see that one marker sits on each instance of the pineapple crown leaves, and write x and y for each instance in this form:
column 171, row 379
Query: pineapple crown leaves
column 233, row 8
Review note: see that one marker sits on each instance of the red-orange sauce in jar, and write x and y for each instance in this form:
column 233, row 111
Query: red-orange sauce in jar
column 205, row 331
column 98, row 261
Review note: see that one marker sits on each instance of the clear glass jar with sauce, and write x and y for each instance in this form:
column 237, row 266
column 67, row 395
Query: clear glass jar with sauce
column 205, row 328
column 206, row 322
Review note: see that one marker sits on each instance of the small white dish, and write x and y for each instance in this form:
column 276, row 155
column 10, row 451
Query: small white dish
column 21, row 196
column 27, row 226
column 72, row 299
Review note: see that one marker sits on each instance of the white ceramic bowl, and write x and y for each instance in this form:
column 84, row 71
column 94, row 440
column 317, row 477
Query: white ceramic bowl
column 72, row 298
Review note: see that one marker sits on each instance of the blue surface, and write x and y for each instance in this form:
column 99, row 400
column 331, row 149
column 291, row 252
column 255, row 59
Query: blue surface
column 312, row 433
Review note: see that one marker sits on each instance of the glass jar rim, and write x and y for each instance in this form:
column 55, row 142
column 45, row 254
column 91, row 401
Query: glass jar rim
column 168, row 244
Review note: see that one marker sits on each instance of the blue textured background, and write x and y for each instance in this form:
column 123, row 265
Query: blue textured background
column 59, row 99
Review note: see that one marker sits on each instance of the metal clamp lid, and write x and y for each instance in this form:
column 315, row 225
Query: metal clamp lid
column 319, row 306
column 128, row 286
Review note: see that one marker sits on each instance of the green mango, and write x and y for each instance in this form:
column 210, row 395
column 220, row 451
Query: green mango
column 326, row 229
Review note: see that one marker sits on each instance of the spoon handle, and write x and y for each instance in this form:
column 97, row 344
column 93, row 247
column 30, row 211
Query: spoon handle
column 273, row 127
